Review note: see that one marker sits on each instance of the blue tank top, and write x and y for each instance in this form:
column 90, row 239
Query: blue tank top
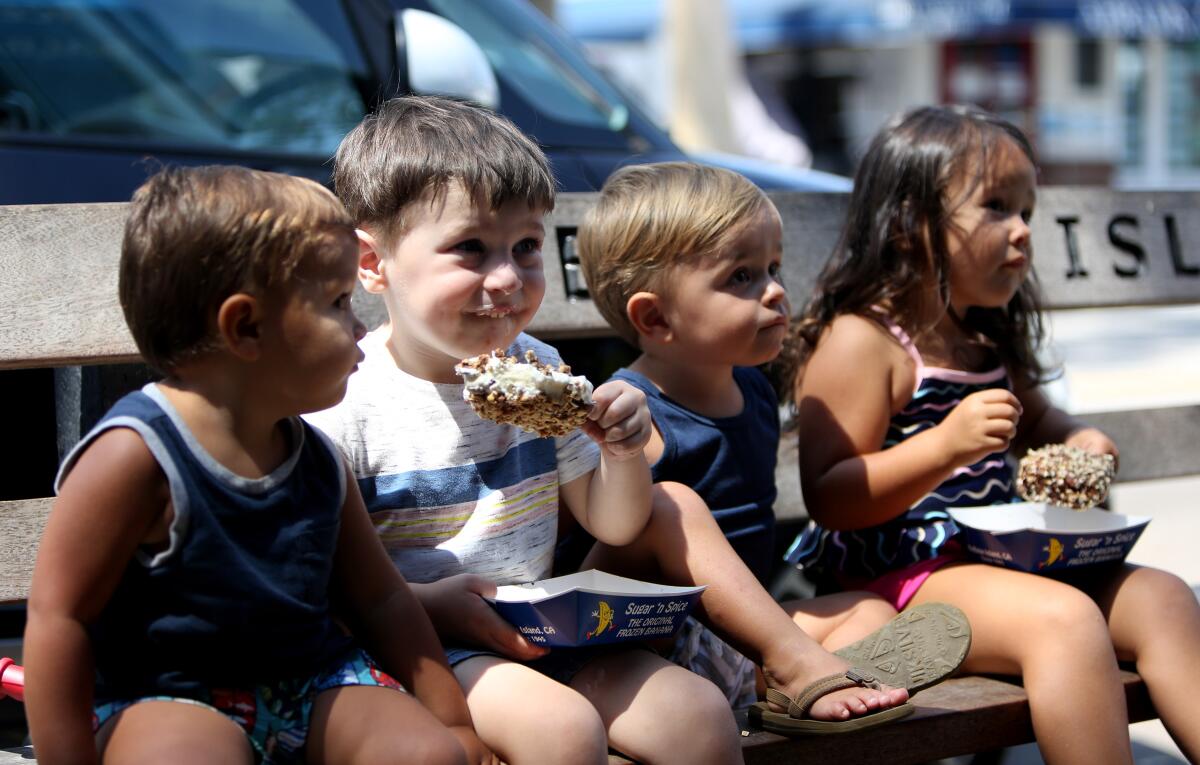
column 728, row 461
column 240, row 595
column 922, row 531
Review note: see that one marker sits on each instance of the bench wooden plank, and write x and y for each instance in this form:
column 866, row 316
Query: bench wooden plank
column 21, row 524
column 21, row 521
column 58, row 266
column 960, row 716
column 1093, row 247
column 1154, row 443
column 963, row 715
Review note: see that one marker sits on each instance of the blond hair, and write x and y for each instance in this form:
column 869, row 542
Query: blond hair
column 197, row 235
column 650, row 219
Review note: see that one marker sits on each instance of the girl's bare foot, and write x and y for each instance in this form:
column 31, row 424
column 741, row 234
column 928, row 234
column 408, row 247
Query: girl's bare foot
column 792, row 677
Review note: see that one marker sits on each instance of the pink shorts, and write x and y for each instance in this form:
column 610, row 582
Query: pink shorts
column 899, row 587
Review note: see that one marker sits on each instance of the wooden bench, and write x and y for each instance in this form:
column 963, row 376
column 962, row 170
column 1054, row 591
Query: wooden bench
column 1092, row 248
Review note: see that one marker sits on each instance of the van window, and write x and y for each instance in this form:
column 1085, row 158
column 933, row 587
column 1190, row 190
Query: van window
column 527, row 64
column 243, row 76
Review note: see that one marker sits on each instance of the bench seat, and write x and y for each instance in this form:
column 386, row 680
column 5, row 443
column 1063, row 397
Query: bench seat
column 960, row 716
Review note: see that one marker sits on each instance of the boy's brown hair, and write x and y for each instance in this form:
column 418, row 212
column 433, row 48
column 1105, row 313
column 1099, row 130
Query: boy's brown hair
column 650, row 219
column 417, row 145
column 197, row 235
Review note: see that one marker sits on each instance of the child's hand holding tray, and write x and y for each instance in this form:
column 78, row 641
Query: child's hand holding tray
column 593, row 608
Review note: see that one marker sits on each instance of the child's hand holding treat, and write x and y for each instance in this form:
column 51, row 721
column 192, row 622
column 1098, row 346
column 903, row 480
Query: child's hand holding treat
column 1065, row 476
column 620, row 420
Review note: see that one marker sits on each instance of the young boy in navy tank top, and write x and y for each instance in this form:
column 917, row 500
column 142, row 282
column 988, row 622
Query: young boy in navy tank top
column 684, row 262
column 207, row 546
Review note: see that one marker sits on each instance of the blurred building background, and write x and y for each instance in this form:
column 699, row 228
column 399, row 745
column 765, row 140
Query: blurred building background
column 1108, row 89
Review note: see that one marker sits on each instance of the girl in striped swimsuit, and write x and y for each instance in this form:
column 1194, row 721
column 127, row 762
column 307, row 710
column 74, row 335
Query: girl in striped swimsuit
column 915, row 371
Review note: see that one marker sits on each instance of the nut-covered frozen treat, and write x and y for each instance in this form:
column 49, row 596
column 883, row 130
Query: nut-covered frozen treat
column 542, row 399
column 1065, row 476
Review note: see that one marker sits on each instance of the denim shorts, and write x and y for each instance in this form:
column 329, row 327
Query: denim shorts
column 274, row 716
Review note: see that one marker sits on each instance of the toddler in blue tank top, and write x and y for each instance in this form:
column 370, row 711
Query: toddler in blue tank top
column 209, row 559
column 684, row 262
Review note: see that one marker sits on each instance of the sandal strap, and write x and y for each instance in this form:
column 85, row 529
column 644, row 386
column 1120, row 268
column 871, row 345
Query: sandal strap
column 799, row 706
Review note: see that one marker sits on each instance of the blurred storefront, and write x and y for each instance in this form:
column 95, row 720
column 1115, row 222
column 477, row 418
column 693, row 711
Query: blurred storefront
column 1110, row 89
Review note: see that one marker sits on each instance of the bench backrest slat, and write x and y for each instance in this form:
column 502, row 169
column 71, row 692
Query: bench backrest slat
column 58, row 264
column 22, row 523
column 1092, row 247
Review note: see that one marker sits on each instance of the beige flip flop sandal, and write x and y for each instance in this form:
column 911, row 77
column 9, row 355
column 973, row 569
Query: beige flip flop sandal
column 795, row 721
column 921, row 647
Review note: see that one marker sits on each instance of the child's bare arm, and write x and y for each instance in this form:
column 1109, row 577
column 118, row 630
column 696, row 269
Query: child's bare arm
column 1042, row 423
column 109, row 504
column 846, row 399
column 388, row 619
column 613, row 501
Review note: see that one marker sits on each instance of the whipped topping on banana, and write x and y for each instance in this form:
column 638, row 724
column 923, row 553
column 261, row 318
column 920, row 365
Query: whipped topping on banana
column 522, row 381
column 537, row 397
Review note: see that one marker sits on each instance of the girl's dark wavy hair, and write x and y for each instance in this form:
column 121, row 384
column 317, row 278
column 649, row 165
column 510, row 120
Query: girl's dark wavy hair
column 893, row 246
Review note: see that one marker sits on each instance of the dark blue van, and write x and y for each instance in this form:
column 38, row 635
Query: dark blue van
column 89, row 88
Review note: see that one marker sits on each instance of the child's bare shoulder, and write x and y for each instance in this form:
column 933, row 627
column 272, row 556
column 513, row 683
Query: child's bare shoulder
column 118, row 447
column 118, row 477
column 856, row 353
column 853, row 335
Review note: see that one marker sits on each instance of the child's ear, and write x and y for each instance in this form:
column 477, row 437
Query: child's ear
column 370, row 263
column 238, row 321
column 645, row 312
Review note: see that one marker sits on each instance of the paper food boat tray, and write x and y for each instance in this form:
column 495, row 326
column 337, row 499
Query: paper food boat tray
column 594, row 608
column 1042, row 538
